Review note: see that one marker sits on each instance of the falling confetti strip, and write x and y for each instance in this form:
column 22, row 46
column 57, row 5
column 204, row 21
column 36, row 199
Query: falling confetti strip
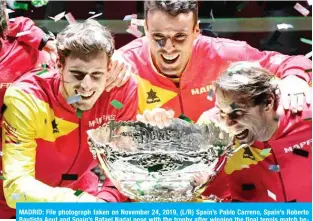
column 39, row 3
column 95, row 16
column 274, row 168
column 248, row 186
column 271, row 195
column 137, row 22
column 306, row 41
column 73, row 99
column 70, row 18
column 16, row 196
column 233, row 106
column 241, row 6
column 69, row 176
column 18, row 5
column 210, row 95
column 42, row 72
column 9, row 11
column 58, row 16
column 79, row 113
column 300, row 152
column 185, row 118
column 118, row 105
column 2, row 177
column 91, row 13
column 129, row 17
column 211, row 14
column 301, row 9
column 23, row 33
column 161, row 43
column 78, row 192
column 265, row 152
column 284, row 26
column 134, row 31
column 308, row 55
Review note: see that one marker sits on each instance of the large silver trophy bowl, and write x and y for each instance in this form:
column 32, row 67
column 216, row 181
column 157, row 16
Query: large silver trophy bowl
column 150, row 164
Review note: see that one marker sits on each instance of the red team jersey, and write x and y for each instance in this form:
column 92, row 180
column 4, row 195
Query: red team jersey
column 45, row 139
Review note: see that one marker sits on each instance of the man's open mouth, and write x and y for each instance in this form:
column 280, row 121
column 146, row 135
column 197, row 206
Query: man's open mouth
column 86, row 95
column 170, row 59
column 243, row 135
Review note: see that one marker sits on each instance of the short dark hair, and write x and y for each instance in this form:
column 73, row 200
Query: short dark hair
column 252, row 83
column 3, row 18
column 173, row 7
column 84, row 39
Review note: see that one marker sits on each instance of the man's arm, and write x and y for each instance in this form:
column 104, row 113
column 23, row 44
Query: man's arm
column 36, row 39
column 19, row 155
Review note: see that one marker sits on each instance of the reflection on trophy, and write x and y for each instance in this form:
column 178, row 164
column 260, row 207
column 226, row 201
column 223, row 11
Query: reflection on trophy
column 150, row 164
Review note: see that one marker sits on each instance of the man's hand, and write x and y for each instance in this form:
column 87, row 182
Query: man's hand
column 294, row 93
column 157, row 117
column 51, row 49
column 119, row 73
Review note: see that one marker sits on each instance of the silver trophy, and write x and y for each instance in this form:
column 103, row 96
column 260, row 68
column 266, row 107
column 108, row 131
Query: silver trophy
column 150, row 164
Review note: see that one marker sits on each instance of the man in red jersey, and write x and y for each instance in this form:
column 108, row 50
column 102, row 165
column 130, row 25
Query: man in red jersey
column 44, row 134
column 276, row 164
column 175, row 66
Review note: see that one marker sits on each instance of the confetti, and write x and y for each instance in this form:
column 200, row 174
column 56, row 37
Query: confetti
column 211, row 14
column 140, row 192
column 39, row 3
column 241, row 6
column 265, row 152
column 79, row 113
column 306, row 41
column 18, row 5
column 9, row 11
column 129, row 17
column 118, row 105
column 73, row 99
column 2, row 178
column 23, row 33
column 95, row 16
column 70, row 18
column 78, row 192
column 58, row 16
column 137, row 22
column 185, row 118
column 274, row 168
column 248, row 186
column 16, row 196
column 91, row 13
column 271, row 195
column 3, row 109
column 134, row 31
column 161, row 43
column 284, row 26
column 308, row 55
column 42, row 72
column 1, row 153
column 69, row 176
column 301, row 9
column 300, row 152
column 233, row 106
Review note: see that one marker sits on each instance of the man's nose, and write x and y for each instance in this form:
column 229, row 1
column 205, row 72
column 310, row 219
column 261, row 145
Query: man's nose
column 86, row 83
column 169, row 45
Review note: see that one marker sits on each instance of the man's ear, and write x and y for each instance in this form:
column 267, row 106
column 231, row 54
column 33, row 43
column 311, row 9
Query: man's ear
column 196, row 30
column 270, row 102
